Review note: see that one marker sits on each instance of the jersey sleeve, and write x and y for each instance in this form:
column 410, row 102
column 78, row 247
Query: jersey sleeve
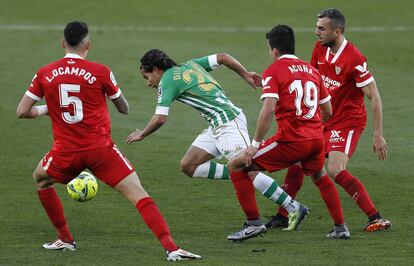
column 269, row 85
column 314, row 59
column 209, row 63
column 361, row 74
column 111, row 88
column 324, row 94
column 35, row 90
column 168, row 91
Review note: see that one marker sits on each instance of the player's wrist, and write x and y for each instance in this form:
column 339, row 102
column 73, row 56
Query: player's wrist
column 378, row 133
column 41, row 109
column 255, row 144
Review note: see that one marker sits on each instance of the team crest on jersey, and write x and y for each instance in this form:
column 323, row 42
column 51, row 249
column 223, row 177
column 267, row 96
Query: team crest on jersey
column 159, row 95
column 71, row 62
column 337, row 70
column 112, row 76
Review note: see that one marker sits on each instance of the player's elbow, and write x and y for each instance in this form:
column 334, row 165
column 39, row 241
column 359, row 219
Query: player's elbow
column 326, row 116
column 222, row 58
column 21, row 113
column 161, row 119
column 123, row 108
column 326, row 110
column 327, row 113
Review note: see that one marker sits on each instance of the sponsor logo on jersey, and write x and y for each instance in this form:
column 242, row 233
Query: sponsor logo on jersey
column 330, row 83
column 71, row 62
column 363, row 69
column 112, row 76
column 35, row 76
column 159, row 94
column 264, row 83
column 335, row 137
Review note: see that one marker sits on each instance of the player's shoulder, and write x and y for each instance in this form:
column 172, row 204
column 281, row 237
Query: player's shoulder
column 190, row 63
column 49, row 66
column 271, row 69
column 97, row 66
column 172, row 75
column 352, row 51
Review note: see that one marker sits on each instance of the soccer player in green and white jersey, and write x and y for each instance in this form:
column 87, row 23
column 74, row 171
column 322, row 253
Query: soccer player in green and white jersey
column 227, row 134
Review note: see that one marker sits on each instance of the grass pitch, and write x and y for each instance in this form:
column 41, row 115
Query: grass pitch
column 200, row 213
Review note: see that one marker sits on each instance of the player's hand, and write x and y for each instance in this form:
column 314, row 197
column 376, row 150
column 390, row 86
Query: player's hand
column 135, row 136
column 253, row 79
column 380, row 147
column 248, row 155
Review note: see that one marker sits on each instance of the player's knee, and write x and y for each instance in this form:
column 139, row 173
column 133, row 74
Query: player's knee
column 317, row 175
column 187, row 167
column 232, row 166
column 42, row 182
column 334, row 169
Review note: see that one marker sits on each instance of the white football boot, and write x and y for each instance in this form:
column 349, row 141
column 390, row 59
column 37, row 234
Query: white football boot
column 181, row 254
column 60, row 245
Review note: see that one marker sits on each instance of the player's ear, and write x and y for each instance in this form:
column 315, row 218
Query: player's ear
column 88, row 45
column 275, row 53
column 337, row 31
column 63, row 44
column 158, row 70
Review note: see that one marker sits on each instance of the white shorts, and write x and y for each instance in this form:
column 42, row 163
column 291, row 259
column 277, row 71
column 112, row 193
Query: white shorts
column 226, row 140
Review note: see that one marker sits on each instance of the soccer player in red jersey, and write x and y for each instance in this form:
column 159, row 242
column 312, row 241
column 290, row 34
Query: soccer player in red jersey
column 345, row 72
column 293, row 93
column 75, row 91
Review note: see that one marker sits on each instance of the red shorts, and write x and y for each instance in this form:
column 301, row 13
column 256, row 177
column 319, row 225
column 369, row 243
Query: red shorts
column 342, row 140
column 108, row 164
column 273, row 156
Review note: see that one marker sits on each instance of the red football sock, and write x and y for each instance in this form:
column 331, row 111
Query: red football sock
column 331, row 198
column 293, row 183
column 357, row 191
column 155, row 221
column 54, row 210
column 245, row 194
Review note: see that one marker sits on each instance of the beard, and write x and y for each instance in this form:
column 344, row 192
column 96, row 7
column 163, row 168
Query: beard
column 329, row 43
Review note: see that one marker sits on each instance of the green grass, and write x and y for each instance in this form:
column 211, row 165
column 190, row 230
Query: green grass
column 200, row 213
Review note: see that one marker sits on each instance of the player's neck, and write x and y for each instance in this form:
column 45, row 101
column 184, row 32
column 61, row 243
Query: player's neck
column 82, row 54
column 337, row 44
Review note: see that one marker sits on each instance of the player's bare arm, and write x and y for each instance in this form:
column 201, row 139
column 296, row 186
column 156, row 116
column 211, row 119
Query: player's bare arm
column 264, row 122
column 252, row 78
column 326, row 110
column 153, row 125
column 121, row 104
column 26, row 108
column 379, row 144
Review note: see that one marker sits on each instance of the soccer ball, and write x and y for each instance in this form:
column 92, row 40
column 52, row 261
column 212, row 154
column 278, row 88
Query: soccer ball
column 83, row 187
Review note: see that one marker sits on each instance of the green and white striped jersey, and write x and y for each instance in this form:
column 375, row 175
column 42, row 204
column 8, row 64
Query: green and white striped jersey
column 191, row 84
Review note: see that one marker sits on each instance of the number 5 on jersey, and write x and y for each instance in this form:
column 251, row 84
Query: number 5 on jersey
column 66, row 100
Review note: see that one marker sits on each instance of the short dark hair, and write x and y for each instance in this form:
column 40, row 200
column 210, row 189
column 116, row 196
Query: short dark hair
column 282, row 38
column 75, row 32
column 336, row 16
column 156, row 58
